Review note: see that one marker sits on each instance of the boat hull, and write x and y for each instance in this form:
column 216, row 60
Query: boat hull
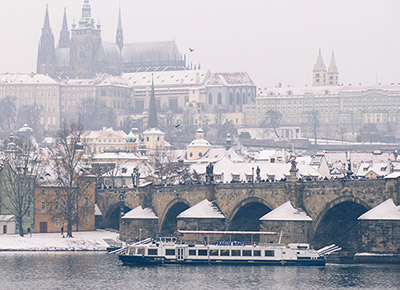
column 143, row 260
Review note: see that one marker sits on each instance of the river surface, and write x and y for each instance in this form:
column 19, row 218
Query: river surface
column 104, row 271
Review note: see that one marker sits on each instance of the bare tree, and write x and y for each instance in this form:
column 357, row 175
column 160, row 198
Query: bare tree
column 66, row 158
column 314, row 122
column 273, row 119
column 167, row 169
column 18, row 180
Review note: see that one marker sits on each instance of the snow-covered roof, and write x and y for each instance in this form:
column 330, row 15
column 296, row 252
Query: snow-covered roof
column 97, row 211
column 215, row 154
column 166, row 78
column 230, row 79
column 393, row 175
column 286, row 212
column 322, row 90
column 199, row 142
column 153, row 131
column 7, row 218
column 116, row 155
column 380, row 168
column 204, row 209
column 140, row 213
column 387, row 210
column 25, row 78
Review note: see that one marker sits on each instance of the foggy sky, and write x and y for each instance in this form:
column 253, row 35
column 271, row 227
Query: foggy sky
column 274, row 41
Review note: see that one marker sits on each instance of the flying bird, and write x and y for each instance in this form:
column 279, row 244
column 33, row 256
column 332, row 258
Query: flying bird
column 177, row 125
column 191, row 49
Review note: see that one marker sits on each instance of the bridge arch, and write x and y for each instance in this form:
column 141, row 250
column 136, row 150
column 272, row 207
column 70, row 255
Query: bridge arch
column 112, row 216
column 167, row 221
column 337, row 223
column 246, row 214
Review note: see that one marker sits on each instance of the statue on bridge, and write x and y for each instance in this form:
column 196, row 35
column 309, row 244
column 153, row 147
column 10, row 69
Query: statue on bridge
column 210, row 173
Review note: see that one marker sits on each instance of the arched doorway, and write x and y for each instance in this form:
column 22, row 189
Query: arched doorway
column 112, row 221
column 169, row 224
column 247, row 217
column 338, row 225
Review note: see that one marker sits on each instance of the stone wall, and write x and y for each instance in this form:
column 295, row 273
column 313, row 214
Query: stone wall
column 201, row 224
column 138, row 229
column 292, row 231
column 379, row 236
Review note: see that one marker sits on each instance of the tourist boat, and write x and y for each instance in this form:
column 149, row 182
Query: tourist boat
column 167, row 250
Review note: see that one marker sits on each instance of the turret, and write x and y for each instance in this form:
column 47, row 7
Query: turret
column 333, row 73
column 64, row 40
column 152, row 123
column 319, row 71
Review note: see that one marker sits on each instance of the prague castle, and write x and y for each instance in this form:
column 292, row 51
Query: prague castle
column 81, row 52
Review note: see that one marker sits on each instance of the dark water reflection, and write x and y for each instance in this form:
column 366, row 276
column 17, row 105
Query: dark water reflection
column 103, row 271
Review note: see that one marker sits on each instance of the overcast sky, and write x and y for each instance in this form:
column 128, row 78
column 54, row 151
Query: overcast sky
column 274, row 41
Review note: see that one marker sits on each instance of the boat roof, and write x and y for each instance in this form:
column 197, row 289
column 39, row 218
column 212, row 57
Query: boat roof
column 226, row 233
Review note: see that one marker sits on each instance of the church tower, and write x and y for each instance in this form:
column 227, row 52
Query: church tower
column 120, row 35
column 46, row 54
column 319, row 72
column 64, row 40
column 85, row 54
column 333, row 73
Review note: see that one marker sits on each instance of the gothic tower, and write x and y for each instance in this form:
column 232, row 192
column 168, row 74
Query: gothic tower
column 333, row 73
column 85, row 54
column 46, row 54
column 64, row 40
column 120, row 35
column 319, row 71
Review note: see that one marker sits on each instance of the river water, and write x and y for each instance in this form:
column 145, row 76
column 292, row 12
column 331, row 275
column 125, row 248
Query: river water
column 104, row 271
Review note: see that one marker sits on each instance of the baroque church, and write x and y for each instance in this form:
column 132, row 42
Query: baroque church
column 81, row 52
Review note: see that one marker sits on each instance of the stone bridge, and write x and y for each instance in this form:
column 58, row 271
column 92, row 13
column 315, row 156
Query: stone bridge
column 334, row 206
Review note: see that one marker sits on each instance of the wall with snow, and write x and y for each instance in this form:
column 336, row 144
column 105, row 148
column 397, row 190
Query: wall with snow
column 292, row 231
column 138, row 229
column 379, row 236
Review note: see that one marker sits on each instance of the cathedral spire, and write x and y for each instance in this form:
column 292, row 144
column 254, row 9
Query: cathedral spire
column 120, row 34
column 46, row 18
column 332, row 66
column 64, row 40
column 152, row 123
column 319, row 64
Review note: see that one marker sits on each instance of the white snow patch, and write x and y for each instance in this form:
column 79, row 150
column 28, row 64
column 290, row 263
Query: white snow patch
column 387, row 210
column 97, row 211
column 204, row 209
column 286, row 212
column 372, row 254
column 81, row 241
column 140, row 213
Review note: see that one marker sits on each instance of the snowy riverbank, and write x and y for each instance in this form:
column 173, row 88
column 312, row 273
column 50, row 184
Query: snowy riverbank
column 81, row 241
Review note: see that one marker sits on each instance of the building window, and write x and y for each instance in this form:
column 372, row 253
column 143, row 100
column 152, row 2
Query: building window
column 87, row 219
column 43, row 191
column 57, row 205
column 57, row 222
column 148, row 139
column 237, row 99
column 219, row 98
column 210, row 97
column 43, row 205
column 57, row 192
column 173, row 104
column 231, row 99
column 86, row 201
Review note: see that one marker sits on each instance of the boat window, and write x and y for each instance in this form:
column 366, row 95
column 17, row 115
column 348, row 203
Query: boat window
column 192, row 252
column 224, row 253
column 140, row 251
column 269, row 253
column 256, row 253
column 202, row 252
column 235, row 252
column 152, row 252
column 170, row 252
column 246, row 253
column 213, row 252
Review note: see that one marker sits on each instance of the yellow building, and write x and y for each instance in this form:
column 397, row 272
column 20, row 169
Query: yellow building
column 198, row 147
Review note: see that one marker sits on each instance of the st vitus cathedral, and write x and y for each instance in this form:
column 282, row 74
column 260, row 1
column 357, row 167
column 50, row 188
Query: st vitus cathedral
column 81, row 52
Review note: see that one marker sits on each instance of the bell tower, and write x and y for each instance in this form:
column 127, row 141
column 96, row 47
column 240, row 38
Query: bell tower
column 85, row 55
column 319, row 71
